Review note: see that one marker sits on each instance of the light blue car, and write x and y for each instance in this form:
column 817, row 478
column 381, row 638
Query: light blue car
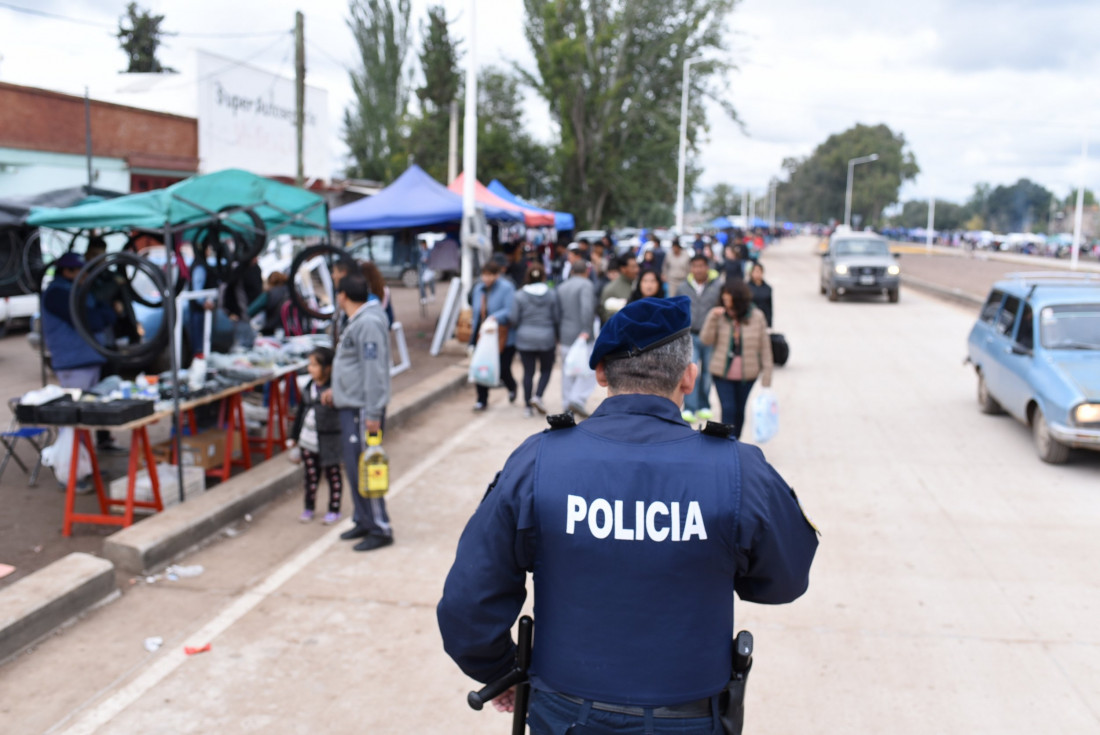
column 1036, row 349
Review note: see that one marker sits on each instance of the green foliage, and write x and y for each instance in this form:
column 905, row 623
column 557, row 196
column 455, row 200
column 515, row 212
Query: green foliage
column 815, row 186
column 429, row 133
column 505, row 150
column 722, row 200
column 612, row 73
column 1071, row 198
column 141, row 39
column 1023, row 207
column 949, row 216
column 373, row 124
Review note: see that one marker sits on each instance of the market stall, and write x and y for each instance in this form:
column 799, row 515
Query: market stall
column 563, row 221
column 226, row 218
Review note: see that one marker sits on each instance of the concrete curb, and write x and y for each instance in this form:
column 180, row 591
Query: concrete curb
column 950, row 294
column 39, row 603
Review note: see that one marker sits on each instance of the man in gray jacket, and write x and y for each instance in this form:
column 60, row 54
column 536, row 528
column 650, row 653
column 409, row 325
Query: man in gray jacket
column 704, row 287
column 361, row 390
column 578, row 311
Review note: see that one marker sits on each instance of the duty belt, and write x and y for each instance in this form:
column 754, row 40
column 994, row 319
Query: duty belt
column 698, row 708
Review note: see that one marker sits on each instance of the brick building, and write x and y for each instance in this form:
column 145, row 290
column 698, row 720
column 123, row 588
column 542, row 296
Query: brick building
column 42, row 144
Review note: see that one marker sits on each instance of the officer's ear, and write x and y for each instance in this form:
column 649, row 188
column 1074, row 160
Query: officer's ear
column 687, row 380
column 601, row 375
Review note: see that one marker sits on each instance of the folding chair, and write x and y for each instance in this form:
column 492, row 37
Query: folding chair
column 37, row 437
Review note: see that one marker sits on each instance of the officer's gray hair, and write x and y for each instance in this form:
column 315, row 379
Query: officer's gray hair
column 657, row 371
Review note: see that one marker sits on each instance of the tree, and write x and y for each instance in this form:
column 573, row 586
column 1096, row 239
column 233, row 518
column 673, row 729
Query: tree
column 815, row 187
column 1023, row 207
column 1071, row 198
column 141, row 39
column 612, row 73
column 722, row 200
column 373, row 123
column 429, row 135
column 505, row 150
column 949, row 216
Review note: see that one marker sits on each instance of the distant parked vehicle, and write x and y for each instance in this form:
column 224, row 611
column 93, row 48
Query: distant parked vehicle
column 859, row 262
column 1036, row 350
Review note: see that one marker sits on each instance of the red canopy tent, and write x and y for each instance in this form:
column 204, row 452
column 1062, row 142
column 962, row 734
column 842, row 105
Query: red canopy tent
column 531, row 217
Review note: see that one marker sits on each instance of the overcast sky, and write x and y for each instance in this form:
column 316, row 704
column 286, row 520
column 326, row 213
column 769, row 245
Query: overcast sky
column 983, row 90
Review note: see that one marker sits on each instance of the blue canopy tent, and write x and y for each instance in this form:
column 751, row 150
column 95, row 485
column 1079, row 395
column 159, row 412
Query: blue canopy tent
column 562, row 220
column 720, row 223
column 415, row 199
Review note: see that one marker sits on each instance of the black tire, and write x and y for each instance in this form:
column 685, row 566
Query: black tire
column 1050, row 449
column 986, row 402
column 332, row 254
column 893, row 295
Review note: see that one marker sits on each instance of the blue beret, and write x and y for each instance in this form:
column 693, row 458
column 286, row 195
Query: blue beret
column 70, row 260
column 642, row 325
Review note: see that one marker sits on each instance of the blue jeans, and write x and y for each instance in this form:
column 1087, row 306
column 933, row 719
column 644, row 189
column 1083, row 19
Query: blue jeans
column 733, row 395
column 551, row 714
column 370, row 513
column 700, row 396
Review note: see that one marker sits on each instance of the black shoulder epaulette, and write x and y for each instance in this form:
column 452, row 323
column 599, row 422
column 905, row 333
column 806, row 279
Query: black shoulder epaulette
column 713, row 428
column 561, row 421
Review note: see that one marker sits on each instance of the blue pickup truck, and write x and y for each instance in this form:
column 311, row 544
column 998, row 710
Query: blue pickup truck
column 1036, row 350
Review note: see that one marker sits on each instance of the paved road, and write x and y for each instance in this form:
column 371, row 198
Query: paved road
column 955, row 588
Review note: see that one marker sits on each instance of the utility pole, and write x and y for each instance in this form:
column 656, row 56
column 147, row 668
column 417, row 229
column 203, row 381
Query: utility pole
column 930, row 231
column 452, row 152
column 300, row 90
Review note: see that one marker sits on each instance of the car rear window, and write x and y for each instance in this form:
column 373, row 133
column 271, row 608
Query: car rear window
column 861, row 247
column 989, row 309
column 1007, row 316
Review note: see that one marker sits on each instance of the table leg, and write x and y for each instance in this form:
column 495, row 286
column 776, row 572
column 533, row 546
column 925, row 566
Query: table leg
column 131, row 475
column 70, row 489
column 86, row 437
column 246, row 449
column 230, row 416
column 143, row 436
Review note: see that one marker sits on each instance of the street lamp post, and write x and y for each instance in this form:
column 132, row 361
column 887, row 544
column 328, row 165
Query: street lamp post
column 848, row 194
column 683, row 147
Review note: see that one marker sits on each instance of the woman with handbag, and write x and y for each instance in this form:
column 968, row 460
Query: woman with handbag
column 742, row 351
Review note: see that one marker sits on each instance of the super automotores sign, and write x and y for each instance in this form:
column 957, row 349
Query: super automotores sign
column 247, row 120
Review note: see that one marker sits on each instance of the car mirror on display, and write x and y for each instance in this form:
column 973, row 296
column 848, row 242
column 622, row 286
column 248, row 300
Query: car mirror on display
column 1018, row 349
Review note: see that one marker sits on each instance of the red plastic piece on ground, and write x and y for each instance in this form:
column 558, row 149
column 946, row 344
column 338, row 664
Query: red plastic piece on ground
column 191, row 650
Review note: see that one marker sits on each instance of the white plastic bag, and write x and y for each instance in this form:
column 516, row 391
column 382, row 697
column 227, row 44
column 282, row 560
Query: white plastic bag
column 576, row 359
column 485, row 362
column 59, row 456
column 765, row 416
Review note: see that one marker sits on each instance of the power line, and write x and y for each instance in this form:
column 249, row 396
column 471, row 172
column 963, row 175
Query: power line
column 97, row 24
column 326, row 54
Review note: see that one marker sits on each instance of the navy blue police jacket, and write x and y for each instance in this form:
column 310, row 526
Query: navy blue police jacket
column 637, row 530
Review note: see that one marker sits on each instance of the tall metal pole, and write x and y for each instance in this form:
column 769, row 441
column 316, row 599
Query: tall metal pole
column 300, row 89
column 848, row 192
column 771, row 218
column 452, row 150
column 469, row 152
column 745, row 207
column 680, row 174
column 88, row 136
column 1079, row 213
column 928, row 235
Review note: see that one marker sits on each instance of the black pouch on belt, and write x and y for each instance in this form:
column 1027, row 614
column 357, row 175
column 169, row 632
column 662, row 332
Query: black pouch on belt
column 731, row 703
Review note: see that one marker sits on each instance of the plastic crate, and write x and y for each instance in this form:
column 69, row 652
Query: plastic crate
column 64, row 410
column 114, row 413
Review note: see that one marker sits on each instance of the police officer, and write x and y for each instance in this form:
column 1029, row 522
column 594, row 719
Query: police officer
column 638, row 531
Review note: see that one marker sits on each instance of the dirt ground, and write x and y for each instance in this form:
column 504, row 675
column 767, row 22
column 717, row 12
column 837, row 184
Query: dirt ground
column 30, row 517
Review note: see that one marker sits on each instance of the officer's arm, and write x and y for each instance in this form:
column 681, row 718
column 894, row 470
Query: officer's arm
column 486, row 586
column 775, row 541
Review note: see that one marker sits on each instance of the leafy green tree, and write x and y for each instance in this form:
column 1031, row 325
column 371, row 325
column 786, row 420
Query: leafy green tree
column 1023, row 207
column 505, row 149
column 429, row 133
column 612, row 74
column 141, row 39
column 722, row 200
column 949, row 215
column 815, row 186
column 373, row 123
column 1071, row 198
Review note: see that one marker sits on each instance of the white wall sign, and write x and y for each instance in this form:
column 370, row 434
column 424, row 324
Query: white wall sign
column 246, row 120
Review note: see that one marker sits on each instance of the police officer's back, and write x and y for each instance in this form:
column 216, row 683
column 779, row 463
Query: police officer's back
column 638, row 531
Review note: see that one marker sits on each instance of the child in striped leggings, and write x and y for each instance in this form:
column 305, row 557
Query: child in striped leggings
column 316, row 433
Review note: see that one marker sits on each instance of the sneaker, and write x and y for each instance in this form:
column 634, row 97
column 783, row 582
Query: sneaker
column 511, row 396
column 85, row 486
column 306, row 517
column 538, row 405
column 704, row 414
column 479, row 406
column 373, row 541
column 353, row 533
column 331, row 518
column 688, row 416
column 528, row 413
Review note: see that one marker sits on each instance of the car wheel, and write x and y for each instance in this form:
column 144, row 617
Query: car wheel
column 1050, row 449
column 985, row 401
column 832, row 293
column 409, row 278
column 893, row 294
